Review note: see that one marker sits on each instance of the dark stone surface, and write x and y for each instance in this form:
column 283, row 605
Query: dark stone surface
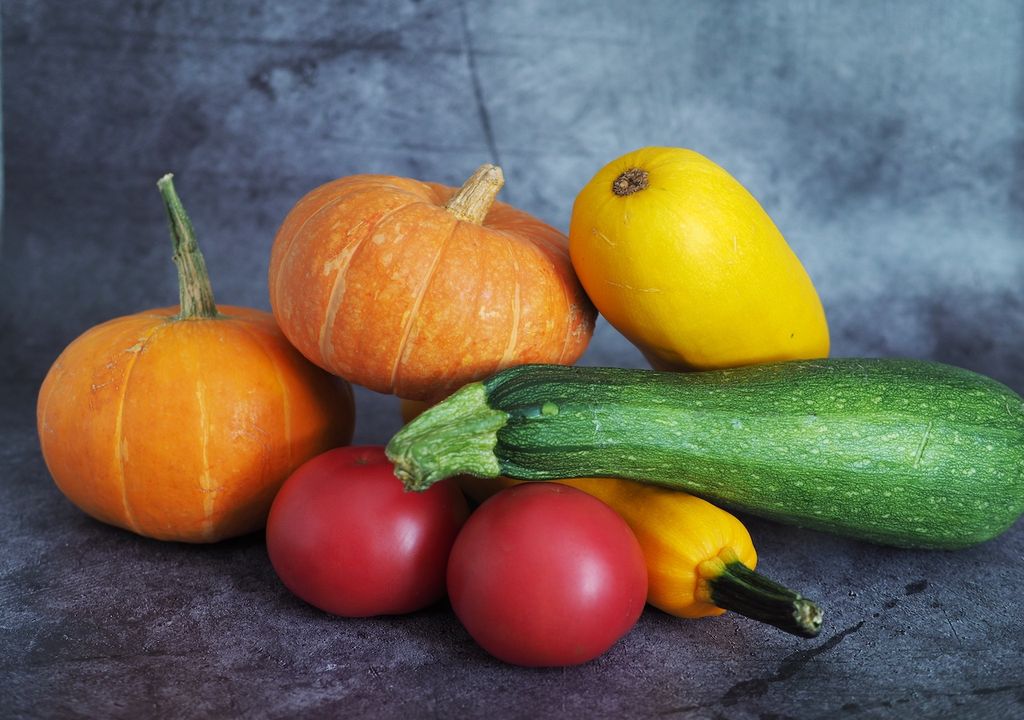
column 98, row 623
column 886, row 139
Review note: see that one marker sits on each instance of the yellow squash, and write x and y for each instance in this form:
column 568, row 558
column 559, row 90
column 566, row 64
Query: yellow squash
column 700, row 559
column 684, row 262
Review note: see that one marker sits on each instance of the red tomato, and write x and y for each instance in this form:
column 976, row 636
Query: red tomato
column 346, row 537
column 546, row 575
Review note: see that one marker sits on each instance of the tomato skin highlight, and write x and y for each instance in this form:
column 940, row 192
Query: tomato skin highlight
column 345, row 536
column 546, row 575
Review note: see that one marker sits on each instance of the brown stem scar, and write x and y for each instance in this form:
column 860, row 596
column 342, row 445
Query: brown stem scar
column 629, row 182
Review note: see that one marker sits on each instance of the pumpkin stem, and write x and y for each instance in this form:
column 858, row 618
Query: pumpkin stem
column 475, row 197
column 194, row 289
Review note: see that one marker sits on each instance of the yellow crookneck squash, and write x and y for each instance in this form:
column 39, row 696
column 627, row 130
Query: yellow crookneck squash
column 684, row 262
column 700, row 558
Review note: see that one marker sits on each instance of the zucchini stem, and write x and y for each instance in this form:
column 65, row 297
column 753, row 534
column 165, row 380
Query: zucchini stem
column 456, row 437
column 740, row 589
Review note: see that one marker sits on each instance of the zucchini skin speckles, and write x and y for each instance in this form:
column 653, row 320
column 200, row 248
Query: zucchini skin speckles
column 896, row 452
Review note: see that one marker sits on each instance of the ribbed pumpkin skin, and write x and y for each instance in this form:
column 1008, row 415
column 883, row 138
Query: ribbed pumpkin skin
column 372, row 279
column 185, row 429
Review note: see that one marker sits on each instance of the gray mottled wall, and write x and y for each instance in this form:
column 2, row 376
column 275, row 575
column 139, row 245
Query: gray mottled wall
column 885, row 138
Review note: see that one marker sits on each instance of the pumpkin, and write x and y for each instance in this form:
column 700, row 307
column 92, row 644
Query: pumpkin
column 181, row 423
column 415, row 289
column 683, row 261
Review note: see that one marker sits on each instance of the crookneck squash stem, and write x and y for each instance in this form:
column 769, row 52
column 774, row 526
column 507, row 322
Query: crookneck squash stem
column 194, row 289
column 731, row 585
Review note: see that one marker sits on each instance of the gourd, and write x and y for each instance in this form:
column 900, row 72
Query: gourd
column 700, row 559
column 415, row 289
column 181, row 423
column 684, row 262
column 899, row 452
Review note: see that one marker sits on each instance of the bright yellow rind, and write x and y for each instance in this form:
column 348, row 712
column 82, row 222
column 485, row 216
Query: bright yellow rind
column 692, row 269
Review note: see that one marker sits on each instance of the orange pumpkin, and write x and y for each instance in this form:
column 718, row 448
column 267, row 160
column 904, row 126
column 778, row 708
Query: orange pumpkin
column 415, row 289
column 182, row 423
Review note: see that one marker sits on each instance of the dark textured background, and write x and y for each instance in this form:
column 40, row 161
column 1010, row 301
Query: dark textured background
column 885, row 138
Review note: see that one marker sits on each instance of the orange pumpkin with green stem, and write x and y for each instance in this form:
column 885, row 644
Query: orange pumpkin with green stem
column 181, row 423
column 415, row 289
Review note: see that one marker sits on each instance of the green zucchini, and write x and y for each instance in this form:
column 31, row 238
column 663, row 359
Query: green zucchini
column 896, row 452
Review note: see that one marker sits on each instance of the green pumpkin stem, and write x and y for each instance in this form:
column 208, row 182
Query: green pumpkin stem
column 194, row 289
